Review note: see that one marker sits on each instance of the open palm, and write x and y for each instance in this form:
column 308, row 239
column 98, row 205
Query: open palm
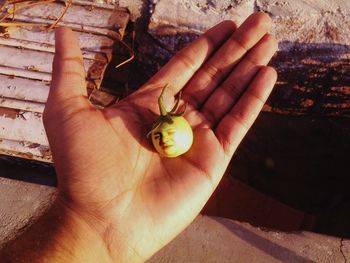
column 108, row 171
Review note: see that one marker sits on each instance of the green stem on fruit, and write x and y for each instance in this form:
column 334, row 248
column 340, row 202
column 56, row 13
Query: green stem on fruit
column 166, row 116
column 162, row 109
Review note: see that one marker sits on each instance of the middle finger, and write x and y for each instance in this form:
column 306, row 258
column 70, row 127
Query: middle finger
column 231, row 89
column 211, row 74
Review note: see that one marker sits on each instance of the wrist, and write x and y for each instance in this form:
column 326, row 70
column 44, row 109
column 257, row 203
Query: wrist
column 102, row 232
column 76, row 238
column 60, row 235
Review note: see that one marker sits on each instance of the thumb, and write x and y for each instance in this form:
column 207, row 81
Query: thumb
column 68, row 93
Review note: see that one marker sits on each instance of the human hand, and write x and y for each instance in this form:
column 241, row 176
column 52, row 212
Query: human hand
column 109, row 175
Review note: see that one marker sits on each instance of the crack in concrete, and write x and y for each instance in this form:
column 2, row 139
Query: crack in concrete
column 256, row 6
column 341, row 250
column 147, row 10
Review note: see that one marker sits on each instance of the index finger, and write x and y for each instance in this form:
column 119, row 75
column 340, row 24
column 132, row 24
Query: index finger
column 187, row 61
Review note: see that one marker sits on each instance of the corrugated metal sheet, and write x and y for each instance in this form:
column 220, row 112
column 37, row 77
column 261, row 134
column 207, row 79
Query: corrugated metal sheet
column 26, row 66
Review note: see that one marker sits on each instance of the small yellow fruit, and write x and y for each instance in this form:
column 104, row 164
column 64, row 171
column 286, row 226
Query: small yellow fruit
column 173, row 139
column 171, row 134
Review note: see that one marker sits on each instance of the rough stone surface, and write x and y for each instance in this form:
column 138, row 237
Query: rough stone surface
column 20, row 204
column 210, row 239
column 196, row 16
column 294, row 21
column 345, row 249
column 313, row 61
column 135, row 7
column 207, row 239
column 309, row 21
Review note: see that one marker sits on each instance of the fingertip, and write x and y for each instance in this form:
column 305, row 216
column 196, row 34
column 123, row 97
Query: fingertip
column 68, row 73
column 60, row 33
column 229, row 24
column 60, row 29
column 264, row 50
column 66, row 42
column 222, row 30
column 272, row 40
column 261, row 19
column 264, row 19
column 270, row 71
column 253, row 29
column 263, row 83
column 267, row 77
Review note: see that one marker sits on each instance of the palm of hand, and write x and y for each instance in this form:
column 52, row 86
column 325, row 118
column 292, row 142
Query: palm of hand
column 108, row 170
column 149, row 188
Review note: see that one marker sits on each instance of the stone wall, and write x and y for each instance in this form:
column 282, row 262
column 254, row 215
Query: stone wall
column 313, row 61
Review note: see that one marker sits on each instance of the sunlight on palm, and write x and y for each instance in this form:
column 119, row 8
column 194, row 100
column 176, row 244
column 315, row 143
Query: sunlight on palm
column 106, row 165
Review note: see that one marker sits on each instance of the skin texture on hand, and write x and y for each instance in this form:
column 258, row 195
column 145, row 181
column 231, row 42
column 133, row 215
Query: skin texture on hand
column 109, row 174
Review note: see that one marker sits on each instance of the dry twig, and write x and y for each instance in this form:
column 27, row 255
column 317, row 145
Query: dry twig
column 9, row 8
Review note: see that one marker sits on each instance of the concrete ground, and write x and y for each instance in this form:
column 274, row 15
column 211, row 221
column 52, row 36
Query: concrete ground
column 207, row 239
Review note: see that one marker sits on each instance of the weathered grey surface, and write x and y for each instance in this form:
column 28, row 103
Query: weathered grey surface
column 314, row 58
column 309, row 21
column 26, row 67
column 196, row 16
column 20, row 204
column 293, row 21
column 210, row 239
column 207, row 239
column 314, row 36
column 135, row 7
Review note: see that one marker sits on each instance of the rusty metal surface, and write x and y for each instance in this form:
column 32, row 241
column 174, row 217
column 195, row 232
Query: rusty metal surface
column 26, row 66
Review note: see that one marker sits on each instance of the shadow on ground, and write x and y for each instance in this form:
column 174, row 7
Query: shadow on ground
column 27, row 171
